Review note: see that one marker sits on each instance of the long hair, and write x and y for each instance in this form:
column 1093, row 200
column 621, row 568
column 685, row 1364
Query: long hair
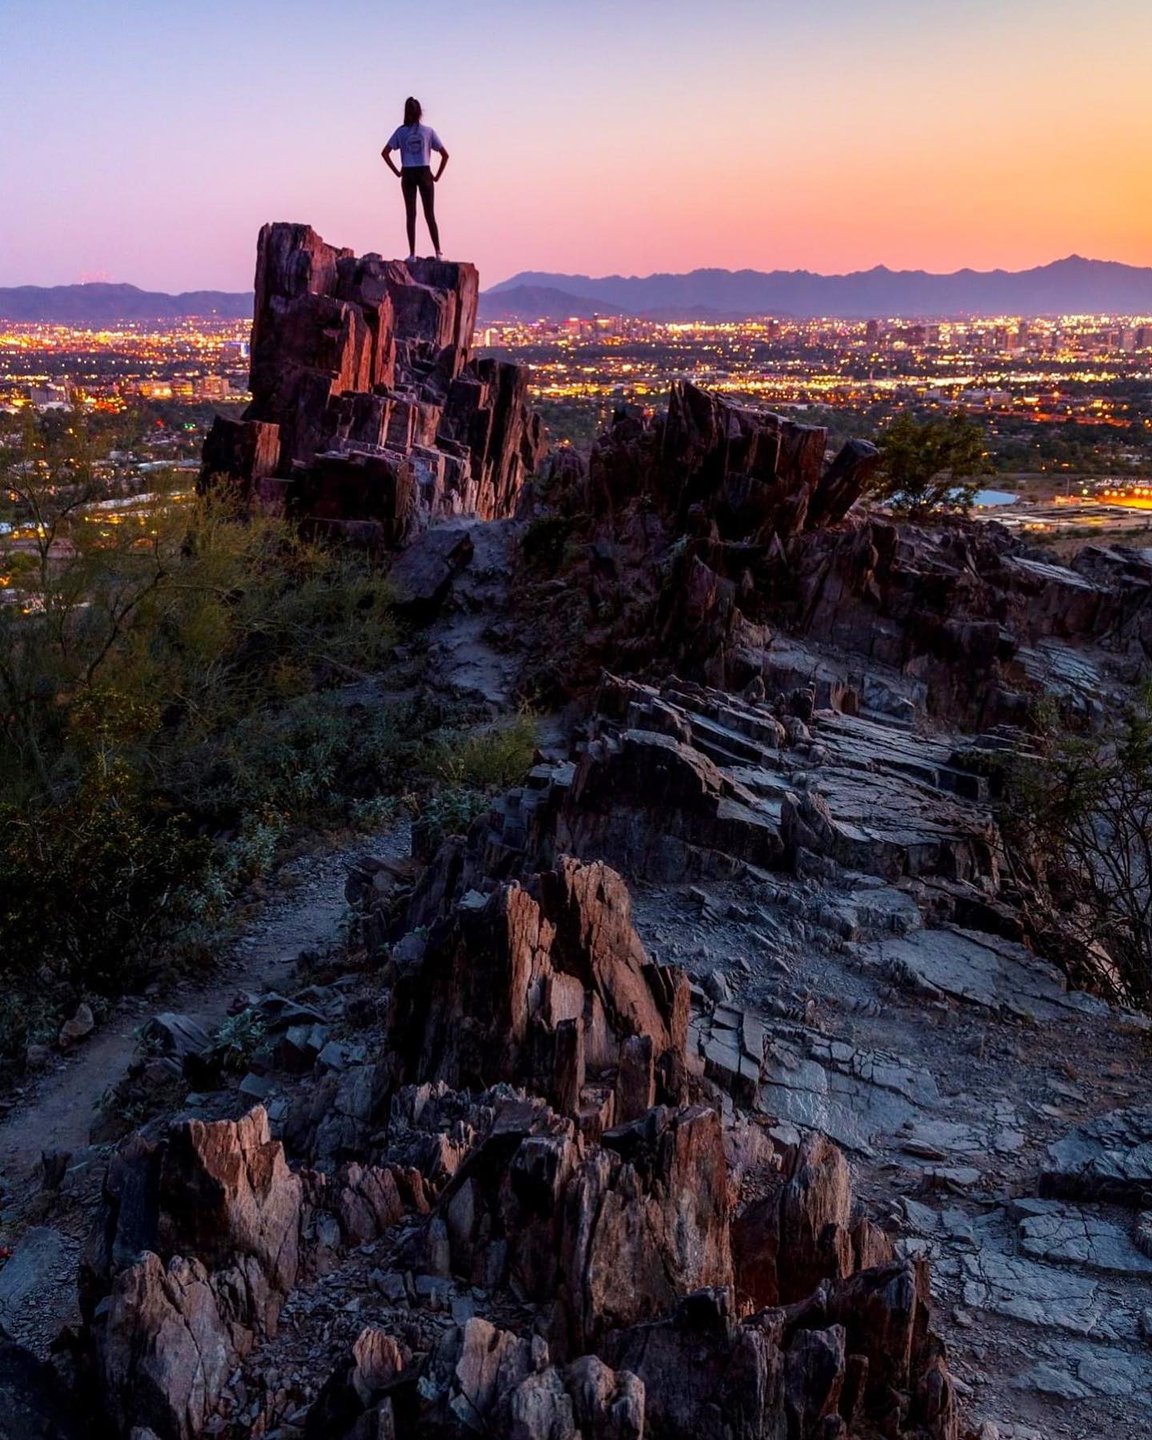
column 412, row 111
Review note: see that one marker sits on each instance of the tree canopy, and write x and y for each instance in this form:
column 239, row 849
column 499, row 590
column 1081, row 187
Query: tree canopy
column 931, row 464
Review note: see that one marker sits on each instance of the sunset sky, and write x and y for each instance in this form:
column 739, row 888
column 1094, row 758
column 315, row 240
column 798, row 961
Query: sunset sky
column 147, row 141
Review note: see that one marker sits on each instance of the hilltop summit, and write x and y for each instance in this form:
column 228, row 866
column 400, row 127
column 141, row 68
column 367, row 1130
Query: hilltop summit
column 368, row 414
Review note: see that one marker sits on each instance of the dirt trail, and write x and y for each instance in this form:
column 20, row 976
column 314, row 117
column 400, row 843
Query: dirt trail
column 304, row 912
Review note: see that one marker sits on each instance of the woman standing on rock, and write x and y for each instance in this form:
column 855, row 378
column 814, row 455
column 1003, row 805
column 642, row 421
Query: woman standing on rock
column 416, row 143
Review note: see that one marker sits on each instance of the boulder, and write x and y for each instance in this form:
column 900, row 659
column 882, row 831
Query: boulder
column 77, row 1027
column 815, row 1242
column 645, row 1221
column 197, row 1247
column 422, row 576
column 224, row 1192
column 164, row 1348
column 857, row 1358
column 354, row 1404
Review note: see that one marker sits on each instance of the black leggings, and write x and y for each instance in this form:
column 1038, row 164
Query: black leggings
column 415, row 178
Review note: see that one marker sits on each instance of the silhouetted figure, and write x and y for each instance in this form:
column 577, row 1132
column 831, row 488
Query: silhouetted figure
column 416, row 143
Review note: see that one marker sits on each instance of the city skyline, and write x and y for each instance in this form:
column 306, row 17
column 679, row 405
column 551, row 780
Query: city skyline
column 148, row 147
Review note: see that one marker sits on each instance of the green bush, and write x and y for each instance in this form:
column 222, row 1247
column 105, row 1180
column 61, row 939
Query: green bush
column 1079, row 814
column 238, row 1039
column 487, row 759
column 169, row 709
column 931, row 464
column 465, row 771
column 88, row 885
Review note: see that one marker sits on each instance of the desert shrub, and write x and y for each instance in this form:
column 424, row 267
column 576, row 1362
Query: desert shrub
column 88, row 885
column 451, row 809
column 1080, row 811
column 545, row 540
column 238, row 1039
column 169, row 708
column 486, row 759
column 464, row 771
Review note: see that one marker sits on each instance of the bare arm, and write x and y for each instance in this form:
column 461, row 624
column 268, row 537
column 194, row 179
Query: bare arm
column 443, row 164
column 386, row 154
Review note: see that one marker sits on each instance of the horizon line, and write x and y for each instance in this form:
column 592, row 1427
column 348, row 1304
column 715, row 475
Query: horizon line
column 618, row 275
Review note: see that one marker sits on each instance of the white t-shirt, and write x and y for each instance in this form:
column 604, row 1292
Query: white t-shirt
column 415, row 143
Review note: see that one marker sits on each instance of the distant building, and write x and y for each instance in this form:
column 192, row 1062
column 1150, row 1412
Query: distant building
column 50, row 397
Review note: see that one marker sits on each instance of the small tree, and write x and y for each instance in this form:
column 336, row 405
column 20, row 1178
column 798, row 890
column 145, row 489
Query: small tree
column 927, row 465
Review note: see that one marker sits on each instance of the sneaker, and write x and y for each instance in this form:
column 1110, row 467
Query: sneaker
column 439, row 256
column 411, row 260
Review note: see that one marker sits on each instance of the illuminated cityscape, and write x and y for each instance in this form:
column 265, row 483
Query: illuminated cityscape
column 1066, row 403
column 58, row 365
column 1091, row 375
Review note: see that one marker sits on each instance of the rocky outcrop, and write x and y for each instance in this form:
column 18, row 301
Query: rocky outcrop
column 543, row 984
column 751, row 475
column 857, row 1358
column 481, row 1379
column 673, row 525
column 198, row 1246
column 722, row 544
column 368, row 415
column 683, row 781
column 598, row 1235
column 962, row 608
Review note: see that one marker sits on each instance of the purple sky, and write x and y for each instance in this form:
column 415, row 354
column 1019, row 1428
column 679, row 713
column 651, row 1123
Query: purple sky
column 149, row 141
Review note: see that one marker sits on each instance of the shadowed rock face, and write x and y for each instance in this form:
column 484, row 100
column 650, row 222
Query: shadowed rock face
column 32, row 1405
column 368, row 416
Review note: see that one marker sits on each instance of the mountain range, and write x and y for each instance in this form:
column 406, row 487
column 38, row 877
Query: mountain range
column 540, row 302
column 101, row 304
column 1066, row 287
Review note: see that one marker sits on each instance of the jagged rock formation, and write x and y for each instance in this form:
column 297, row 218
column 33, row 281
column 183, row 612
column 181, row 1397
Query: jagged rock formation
column 679, row 517
column 368, row 416
column 978, row 622
column 199, row 1246
column 545, row 985
column 709, row 541
column 588, row 1183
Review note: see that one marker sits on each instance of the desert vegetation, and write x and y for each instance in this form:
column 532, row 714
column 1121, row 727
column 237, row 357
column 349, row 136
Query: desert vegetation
column 182, row 689
column 1079, row 815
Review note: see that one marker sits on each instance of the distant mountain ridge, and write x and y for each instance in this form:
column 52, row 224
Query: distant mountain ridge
column 102, row 304
column 1065, row 287
column 540, row 302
